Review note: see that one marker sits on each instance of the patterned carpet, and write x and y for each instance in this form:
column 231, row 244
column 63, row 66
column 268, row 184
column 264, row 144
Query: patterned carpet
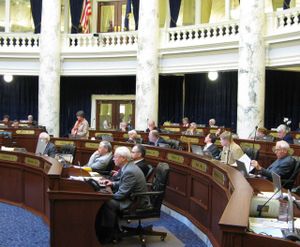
column 20, row 228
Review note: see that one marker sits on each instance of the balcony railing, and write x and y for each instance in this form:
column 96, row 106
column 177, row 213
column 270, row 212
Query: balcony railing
column 277, row 22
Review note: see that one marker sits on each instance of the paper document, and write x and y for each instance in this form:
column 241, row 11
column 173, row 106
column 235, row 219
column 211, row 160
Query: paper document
column 247, row 161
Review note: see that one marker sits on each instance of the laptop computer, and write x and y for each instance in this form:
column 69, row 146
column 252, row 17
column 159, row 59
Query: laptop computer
column 291, row 233
column 277, row 185
column 241, row 167
column 197, row 150
column 40, row 147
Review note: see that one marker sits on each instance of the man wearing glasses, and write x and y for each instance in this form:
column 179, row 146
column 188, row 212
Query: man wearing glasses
column 284, row 165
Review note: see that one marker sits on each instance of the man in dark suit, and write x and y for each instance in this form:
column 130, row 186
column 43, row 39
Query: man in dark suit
column 138, row 154
column 50, row 149
column 132, row 180
column 210, row 146
column 283, row 166
column 283, row 134
column 155, row 139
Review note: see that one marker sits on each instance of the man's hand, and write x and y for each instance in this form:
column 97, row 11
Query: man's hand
column 107, row 182
column 255, row 164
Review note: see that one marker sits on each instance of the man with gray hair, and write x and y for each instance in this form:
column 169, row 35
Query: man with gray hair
column 283, row 134
column 101, row 157
column 50, row 149
column 132, row 180
column 284, row 165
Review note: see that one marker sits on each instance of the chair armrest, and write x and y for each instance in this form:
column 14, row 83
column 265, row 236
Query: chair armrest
column 150, row 193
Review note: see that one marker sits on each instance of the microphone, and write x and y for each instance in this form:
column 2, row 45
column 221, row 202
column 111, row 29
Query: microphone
column 256, row 127
column 228, row 153
column 261, row 207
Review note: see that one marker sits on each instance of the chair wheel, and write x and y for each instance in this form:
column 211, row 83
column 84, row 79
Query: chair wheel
column 162, row 238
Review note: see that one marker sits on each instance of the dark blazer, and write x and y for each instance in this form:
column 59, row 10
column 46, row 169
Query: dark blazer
column 132, row 180
column 50, row 150
column 283, row 167
column 143, row 166
column 213, row 149
column 288, row 138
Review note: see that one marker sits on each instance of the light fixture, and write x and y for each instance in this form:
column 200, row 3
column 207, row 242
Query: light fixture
column 8, row 78
column 213, row 75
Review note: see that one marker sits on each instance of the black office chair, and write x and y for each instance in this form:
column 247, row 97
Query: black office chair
column 156, row 196
column 108, row 169
column 174, row 144
column 67, row 152
column 107, row 138
column 149, row 173
column 253, row 153
column 289, row 183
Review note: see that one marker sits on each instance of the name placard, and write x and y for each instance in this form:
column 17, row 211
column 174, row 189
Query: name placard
column 172, row 129
column 218, row 142
column 153, row 153
column 175, row 158
column 189, row 139
column 297, row 136
column 63, row 142
column 219, row 177
column 198, row 165
column 8, row 157
column 32, row 162
column 25, row 132
column 91, row 145
column 103, row 134
column 165, row 137
column 249, row 145
column 125, row 135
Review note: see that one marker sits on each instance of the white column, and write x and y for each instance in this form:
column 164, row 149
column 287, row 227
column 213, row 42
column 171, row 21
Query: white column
column 251, row 73
column 7, row 16
column 147, row 64
column 66, row 16
column 49, row 78
column 227, row 9
column 198, row 11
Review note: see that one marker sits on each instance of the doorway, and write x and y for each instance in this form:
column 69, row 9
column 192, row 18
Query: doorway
column 110, row 113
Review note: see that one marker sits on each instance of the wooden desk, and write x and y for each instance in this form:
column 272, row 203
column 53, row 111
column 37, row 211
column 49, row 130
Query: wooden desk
column 40, row 185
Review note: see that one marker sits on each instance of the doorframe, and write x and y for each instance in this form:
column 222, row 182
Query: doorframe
column 96, row 97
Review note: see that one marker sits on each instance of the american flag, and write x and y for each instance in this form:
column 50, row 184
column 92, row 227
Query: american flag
column 85, row 16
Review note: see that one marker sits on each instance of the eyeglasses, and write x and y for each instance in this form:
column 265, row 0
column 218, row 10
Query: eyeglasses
column 274, row 149
column 134, row 152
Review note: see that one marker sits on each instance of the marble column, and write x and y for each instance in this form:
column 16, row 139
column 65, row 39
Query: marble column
column 198, row 11
column 49, row 77
column 251, row 69
column 7, row 16
column 227, row 9
column 147, row 64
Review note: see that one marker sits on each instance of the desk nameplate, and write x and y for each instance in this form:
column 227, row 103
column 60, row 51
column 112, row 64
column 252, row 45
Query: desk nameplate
column 152, row 153
column 92, row 145
column 250, row 145
column 165, row 137
column 172, row 129
column 102, row 134
column 189, row 139
column 219, row 177
column 25, row 132
column 63, row 142
column 8, row 157
column 32, row 162
column 175, row 158
column 200, row 166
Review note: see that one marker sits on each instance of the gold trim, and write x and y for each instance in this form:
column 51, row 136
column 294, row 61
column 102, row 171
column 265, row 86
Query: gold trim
column 189, row 139
column 102, row 134
column 218, row 176
column 25, row 132
column 8, row 157
column 32, row 162
column 249, row 145
column 198, row 165
column 153, row 153
column 91, row 145
column 61, row 142
column 175, row 157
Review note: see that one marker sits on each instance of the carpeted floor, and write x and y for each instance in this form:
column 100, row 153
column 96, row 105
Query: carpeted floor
column 20, row 228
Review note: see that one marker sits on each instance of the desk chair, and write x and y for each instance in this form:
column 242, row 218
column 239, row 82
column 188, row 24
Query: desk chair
column 156, row 195
column 67, row 152
column 174, row 144
column 289, row 183
column 108, row 169
column 150, row 172
column 252, row 153
column 107, row 138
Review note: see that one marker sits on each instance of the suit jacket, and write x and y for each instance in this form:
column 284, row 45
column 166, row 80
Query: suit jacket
column 99, row 162
column 231, row 154
column 50, row 150
column 288, row 138
column 132, row 180
column 213, row 149
column 283, row 167
column 143, row 166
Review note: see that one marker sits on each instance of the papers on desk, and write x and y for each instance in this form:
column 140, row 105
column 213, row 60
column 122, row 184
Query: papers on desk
column 82, row 178
column 247, row 161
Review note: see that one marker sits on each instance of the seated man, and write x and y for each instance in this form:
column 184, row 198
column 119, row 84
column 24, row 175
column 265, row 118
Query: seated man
column 262, row 134
column 138, row 153
column 50, row 149
column 31, row 122
column 101, row 157
column 133, row 137
column 6, row 120
column 15, row 124
column 210, row 146
column 155, row 139
column 283, row 134
column 284, row 165
column 231, row 151
column 212, row 123
column 152, row 126
column 132, row 180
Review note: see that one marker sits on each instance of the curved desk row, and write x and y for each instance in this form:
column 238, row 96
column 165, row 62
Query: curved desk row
column 215, row 197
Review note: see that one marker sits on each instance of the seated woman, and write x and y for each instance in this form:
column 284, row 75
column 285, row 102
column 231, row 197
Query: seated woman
column 185, row 122
column 192, row 130
column 123, row 127
column 133, row 137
